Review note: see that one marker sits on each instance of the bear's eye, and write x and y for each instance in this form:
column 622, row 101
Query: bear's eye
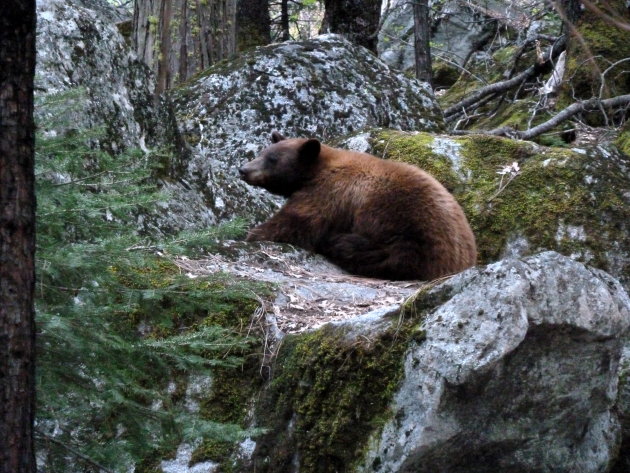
column 272, row 159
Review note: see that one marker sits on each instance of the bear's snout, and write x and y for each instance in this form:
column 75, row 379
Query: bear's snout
column 242, row 172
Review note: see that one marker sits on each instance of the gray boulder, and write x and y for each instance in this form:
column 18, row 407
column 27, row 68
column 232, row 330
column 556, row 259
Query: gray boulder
column 88, row 78
column 324, row 88
column 457, row 31
column 518, row 373
column 509, row 367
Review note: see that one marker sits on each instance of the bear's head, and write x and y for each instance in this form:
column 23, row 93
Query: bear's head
column 285, row 166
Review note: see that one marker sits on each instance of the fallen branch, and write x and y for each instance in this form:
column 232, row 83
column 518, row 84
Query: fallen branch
column 521, row 50
column 573, row 109
column 503, row 85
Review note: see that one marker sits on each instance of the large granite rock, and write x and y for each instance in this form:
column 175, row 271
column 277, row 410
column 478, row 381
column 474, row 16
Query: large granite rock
column 88, row 78
column 518, row 373
column 509, row 367
column 324, row 88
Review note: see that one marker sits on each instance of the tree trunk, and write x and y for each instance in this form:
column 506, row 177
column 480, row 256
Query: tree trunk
column 357, row 20
column 422, row 36
column 179, row 38
column 17, row 236
column 284, row 20
column 253, row 25
column 569, row 10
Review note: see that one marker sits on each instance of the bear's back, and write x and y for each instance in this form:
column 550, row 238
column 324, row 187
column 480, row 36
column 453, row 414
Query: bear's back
column 389, row 201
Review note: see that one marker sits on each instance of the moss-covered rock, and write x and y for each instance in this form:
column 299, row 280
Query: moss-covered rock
column 573, row 201
column 330, row 390
column 444, row 74
column 623, row 140
column 516, row 373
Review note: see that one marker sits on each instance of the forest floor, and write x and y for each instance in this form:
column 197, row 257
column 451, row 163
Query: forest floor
column 310, row 291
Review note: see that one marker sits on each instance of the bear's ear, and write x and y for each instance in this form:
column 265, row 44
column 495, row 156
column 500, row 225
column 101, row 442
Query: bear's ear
column 275, row 137
column 310, row 150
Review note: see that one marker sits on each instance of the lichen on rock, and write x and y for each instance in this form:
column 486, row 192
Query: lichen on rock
column 325, row 87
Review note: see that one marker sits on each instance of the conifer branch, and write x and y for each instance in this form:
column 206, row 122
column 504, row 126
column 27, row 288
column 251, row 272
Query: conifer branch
column 74, row 452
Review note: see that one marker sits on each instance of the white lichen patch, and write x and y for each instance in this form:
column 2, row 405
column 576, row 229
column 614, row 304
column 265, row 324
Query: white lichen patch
column 572, row 232
column 198, row 387
column 324, row 88
column 246, row 448
column 448, row 147
column 359, row 142
column 516, row 246
column 180, row 464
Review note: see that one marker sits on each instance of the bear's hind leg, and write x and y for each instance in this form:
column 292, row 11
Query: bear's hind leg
column 359, row 255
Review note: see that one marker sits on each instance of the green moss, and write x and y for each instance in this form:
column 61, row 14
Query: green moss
column 166, row 301
column 214, row 450
column 465, row 84
column 416, row 149
column 444, row 74
column 153, row 25
column 504, row 56
column 623, row 140
column 532, row 204
column 333, row 392
column 516, row 115
column 558, row 191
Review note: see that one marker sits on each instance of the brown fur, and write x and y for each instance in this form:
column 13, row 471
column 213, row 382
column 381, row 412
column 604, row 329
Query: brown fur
column 370, row 216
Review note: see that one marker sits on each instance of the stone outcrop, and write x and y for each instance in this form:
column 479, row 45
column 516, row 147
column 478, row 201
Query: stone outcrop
column 508, row 367
column 87, row 78
column 518, row 372
column 324, row 87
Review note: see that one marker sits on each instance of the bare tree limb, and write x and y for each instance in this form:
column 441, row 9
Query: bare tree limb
column 506, row 84
column 571, row 110
column 495, row 88
column 524, row 46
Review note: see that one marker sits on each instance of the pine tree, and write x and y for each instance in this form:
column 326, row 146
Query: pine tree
column 121, row 330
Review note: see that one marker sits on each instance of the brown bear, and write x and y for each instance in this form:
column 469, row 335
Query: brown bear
column 372, row 217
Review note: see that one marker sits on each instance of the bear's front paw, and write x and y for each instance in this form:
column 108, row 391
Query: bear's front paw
column 252, row 236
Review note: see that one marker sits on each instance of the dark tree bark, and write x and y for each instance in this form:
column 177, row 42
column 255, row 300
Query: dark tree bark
column 284, row 20
column 17, row 236
column 179, row 38
column 253, row 25
column 422, row 36
column 569, row 10
column 357, row 20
